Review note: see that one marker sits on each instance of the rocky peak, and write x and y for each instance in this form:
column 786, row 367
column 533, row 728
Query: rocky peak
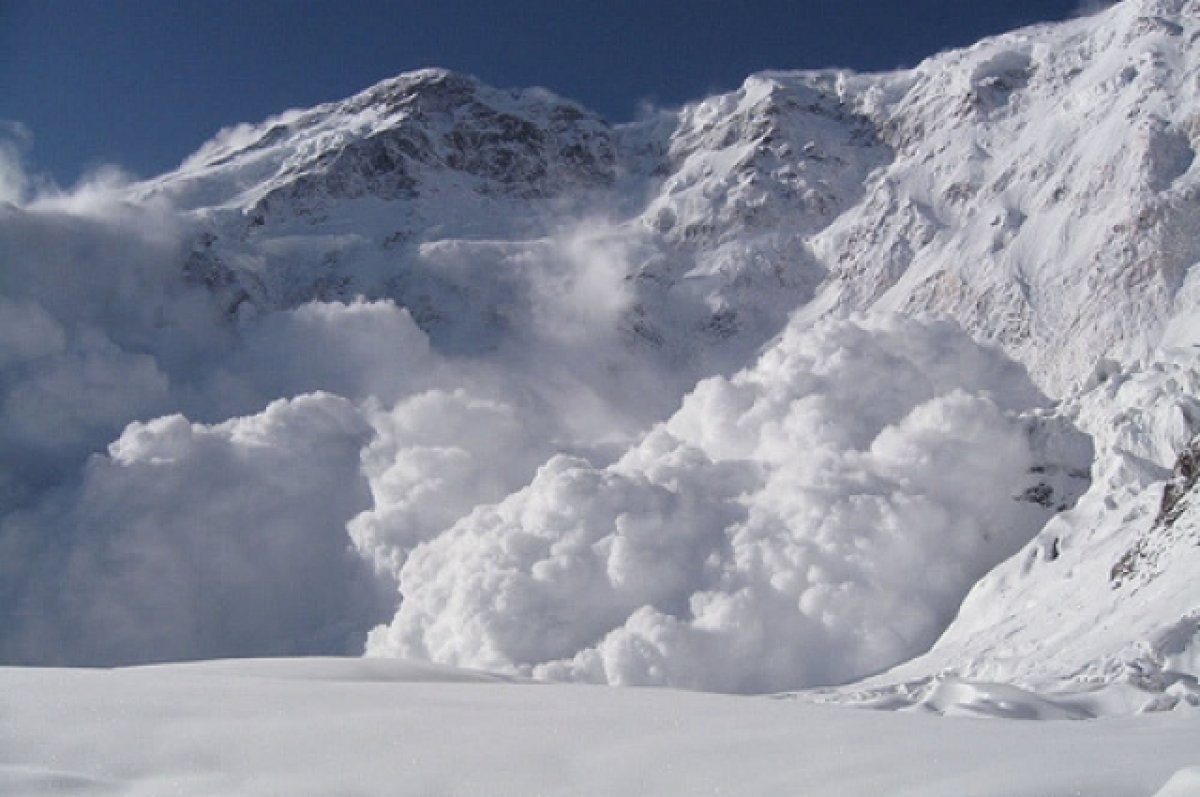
column 397, row 134
column 784, row 148
column 429, row 90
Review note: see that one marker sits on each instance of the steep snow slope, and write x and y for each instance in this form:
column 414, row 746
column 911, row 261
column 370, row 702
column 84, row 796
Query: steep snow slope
column 366, row 197
column 541, row 288
column 1045, row 191
column 1054, row 209
column 437, row 192
column 1039, row 187
column 1101, row 609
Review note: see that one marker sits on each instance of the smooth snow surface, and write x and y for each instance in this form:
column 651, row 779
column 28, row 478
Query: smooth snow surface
column 323, row 727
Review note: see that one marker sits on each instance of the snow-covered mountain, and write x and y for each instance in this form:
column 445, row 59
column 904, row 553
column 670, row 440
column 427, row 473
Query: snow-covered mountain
column 1037, row 187
column 747, row 395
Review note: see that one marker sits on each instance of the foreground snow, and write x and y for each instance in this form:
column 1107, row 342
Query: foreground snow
column 367, row 727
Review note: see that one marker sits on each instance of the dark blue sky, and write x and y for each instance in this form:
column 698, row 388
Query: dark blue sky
column 142, row 83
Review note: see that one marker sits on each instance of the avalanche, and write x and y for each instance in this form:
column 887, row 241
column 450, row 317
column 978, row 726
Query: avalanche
column 831, row 374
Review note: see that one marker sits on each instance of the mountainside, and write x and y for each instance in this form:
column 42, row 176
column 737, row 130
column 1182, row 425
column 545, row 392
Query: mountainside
column 1038, row 188
column 748, row 395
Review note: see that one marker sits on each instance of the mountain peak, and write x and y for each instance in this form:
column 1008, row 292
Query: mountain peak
column 429, row 84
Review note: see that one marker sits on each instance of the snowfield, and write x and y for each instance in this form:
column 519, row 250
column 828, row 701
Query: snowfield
column 859, row 390
column 352, row 727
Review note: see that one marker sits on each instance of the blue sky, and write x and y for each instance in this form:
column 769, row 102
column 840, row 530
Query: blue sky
column 141, row 83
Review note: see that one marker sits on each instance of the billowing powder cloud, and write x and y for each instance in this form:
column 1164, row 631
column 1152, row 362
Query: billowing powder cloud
column 91, row 325
column 815, row 518
column 197, row 541
column 129, row 532
column 436, row 456
column 182, row 481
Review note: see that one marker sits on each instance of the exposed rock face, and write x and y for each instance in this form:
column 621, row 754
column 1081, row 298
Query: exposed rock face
column 1149, row 555
column 1177, row 491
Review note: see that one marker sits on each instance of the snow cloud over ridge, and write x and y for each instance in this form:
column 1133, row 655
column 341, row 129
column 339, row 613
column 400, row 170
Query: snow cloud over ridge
column 14, row 138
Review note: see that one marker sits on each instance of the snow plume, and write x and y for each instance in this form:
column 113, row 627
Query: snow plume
column 229, row 140
column 566, row 289
column 815, row 518
column 177, row 483
column 572, row 343
column 206, row 541
column 1088, row 8
column 14, row 140
column 581, row 292
column 180, row 482
column 87, row 306
column 544, row 320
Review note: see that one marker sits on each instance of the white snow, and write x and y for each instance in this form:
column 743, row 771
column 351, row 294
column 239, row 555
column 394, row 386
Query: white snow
column 1101, row 608
column 321, row 727
column 813, row 519
column 776, row 390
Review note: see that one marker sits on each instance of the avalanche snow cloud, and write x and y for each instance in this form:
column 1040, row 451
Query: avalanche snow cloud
column 180, row 485
column 469, row 374
column 170, row 539
column 812, row 519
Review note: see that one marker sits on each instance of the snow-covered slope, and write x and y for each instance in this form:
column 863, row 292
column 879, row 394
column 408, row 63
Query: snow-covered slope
column 670, row 402
column 1100, row 609
column 1039, row 187
column 1045, row 191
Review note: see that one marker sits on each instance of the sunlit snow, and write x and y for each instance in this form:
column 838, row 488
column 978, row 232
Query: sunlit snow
column 857, row 390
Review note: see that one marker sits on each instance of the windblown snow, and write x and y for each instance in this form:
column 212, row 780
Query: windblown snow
column 833, row 374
